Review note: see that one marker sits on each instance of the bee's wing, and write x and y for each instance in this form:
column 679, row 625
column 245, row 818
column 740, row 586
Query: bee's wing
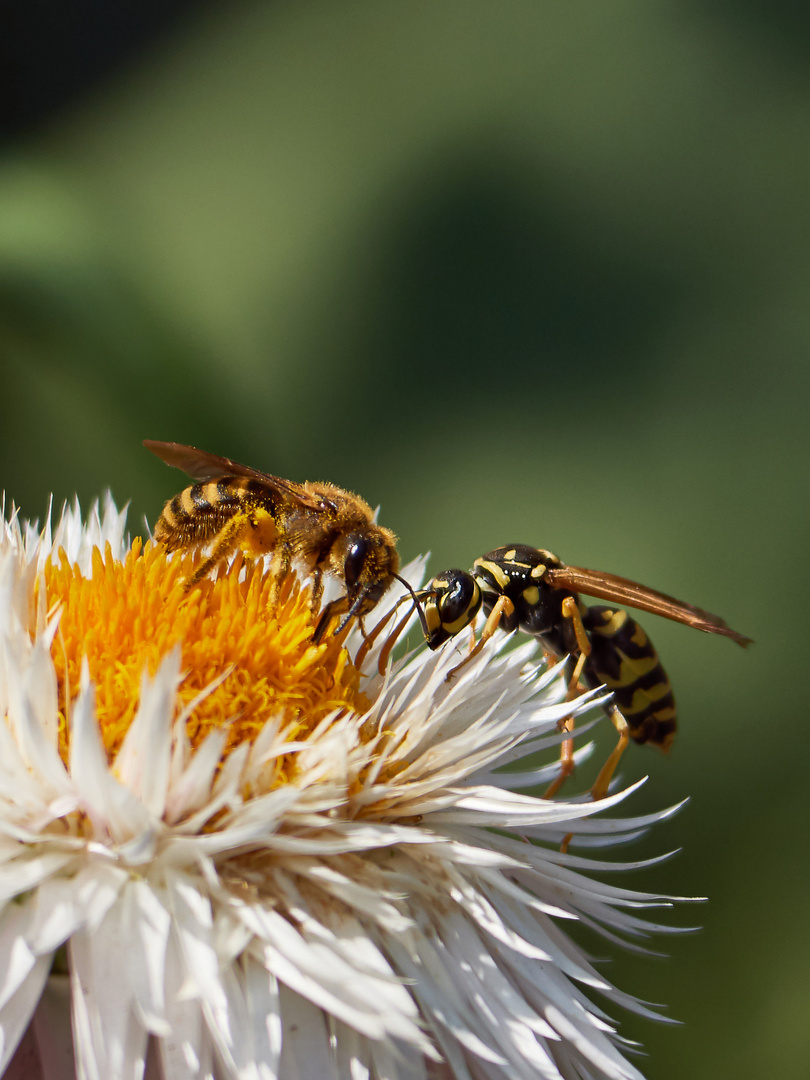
column 200, row 465
column 622, row 591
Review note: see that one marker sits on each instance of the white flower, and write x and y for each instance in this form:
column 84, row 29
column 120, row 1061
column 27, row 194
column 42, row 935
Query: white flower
column 234, row 855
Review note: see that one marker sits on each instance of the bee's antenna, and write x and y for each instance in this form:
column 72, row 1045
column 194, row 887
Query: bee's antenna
column 353, row 610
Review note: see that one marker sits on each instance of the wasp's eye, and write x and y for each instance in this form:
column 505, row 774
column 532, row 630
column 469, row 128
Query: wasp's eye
column 458, row 597
column 355, row 561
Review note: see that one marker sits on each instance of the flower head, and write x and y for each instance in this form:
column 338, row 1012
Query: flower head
column 254, row 856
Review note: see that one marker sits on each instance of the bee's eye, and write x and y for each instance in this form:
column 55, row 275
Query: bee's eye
column 458, row 597
column 356, row 555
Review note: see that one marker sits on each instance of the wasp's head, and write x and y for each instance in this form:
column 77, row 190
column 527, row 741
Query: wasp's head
column 450, row 603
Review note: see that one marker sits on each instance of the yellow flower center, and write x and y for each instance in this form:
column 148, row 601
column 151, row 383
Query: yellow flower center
column 128, row 615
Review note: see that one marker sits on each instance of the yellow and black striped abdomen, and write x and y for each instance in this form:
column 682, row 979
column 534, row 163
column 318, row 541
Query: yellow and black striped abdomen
column 199, row 512
column 624, row 660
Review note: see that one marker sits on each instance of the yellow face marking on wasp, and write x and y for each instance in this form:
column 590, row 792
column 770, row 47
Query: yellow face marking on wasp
column 432, row 617
column 456, row 627
column 539, row 571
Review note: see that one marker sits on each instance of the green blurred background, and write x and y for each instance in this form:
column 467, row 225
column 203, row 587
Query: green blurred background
column 519, row 271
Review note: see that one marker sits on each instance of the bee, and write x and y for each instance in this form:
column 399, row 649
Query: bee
column 319, row 525
column 530, row 589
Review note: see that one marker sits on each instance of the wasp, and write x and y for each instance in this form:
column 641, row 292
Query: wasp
column 318, row 525
column 530, row 589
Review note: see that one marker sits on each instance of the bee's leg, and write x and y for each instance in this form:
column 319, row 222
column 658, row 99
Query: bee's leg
column 600, row 788
column 336, row 607
column 503, row 606
column 570, row 610
column 225, row 543
column 317, row 589
column 279, row 569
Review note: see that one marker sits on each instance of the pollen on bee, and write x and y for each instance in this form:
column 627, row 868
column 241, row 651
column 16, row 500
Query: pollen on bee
column 258, row 659
column 263, row 534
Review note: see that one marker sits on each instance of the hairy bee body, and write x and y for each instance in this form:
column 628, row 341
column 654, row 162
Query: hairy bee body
column 201, row 510
column 317, row 524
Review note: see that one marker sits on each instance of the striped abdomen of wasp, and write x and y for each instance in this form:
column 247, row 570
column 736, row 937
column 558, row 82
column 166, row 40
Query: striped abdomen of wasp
column 320, row 526
column 530, row 589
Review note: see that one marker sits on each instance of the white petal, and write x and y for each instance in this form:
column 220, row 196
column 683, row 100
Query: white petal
column 32, row 716
column 143, row 760
column 147, row 924
column 110, row 1043
column 306, row 1053
column 374, row 1006
column 16, row 959
column 55, row 915
column 33, row 866
column 191, row 789
column 114, row 810
column 264, row 1008
column 186, row 1052
column 97, row 887
column 193, row 925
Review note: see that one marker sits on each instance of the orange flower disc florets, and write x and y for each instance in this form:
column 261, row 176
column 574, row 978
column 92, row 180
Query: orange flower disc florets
column 129, row 614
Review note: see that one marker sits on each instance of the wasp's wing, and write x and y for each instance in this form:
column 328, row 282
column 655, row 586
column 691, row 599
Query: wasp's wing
column 622, row 591
column 200, row 465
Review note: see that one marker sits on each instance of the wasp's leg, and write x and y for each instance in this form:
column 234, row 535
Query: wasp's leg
column 570, row 610
column 369, row 639
column 503, row 606
column 600, row 788
column 226, row 542
column 566, row 759
column 385, row 654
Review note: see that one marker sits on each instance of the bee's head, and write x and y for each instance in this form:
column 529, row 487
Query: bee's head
column 369, row 563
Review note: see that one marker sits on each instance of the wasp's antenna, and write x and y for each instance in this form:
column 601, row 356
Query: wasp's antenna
column 417, row 604
column 353, row 610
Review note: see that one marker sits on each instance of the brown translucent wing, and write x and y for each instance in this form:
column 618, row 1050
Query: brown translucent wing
column 622, row 591
column 200, row 465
